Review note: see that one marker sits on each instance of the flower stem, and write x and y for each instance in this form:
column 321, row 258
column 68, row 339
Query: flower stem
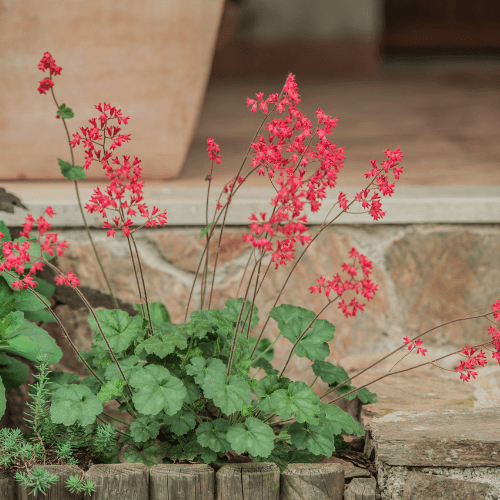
column 81, row 209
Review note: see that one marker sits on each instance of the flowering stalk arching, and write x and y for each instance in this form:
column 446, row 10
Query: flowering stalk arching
column 16, row 255
column 365, row 286
column 48, row 62
column 124, row 177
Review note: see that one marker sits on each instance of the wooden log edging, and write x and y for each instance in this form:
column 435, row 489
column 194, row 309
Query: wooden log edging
column 245, row 481
column 312, row 481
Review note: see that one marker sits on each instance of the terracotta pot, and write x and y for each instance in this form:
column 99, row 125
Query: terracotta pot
column 150, row 59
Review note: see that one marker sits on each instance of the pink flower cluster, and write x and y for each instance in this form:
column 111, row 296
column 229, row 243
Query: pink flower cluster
column 465, row 367
column 123, row 176
column 299, row 185
column 48, row 62
column 409, row 343
column 365, row 286
column 16, row 256
column 213, row 150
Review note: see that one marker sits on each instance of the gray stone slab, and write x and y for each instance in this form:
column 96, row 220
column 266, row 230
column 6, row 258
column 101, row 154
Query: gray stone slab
column 426, row 486
column 443, row 438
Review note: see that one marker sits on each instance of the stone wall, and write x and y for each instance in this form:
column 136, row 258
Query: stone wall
column 427, row 274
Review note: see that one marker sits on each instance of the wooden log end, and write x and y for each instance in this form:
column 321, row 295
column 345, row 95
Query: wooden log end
column 321, row 481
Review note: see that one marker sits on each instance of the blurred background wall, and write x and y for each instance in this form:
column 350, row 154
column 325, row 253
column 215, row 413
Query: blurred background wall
column 335, row 38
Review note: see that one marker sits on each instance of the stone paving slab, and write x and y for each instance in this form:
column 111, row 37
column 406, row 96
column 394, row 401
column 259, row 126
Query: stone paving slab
column 454, row 438
column 426, row 486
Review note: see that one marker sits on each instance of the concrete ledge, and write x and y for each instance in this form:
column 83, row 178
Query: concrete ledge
column 186, row 205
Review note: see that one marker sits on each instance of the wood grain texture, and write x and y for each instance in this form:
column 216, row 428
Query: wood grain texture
column 57, row 491
column 323, row 481
column 248, row 481
column 7, row 486
column 361, row 489
column 182, row 482
column 119, row 481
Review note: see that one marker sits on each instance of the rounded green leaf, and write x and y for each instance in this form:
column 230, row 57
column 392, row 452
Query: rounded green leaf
column 213, row 435
column 144, row 428
column 229, row 395
column 120, row 328
column 253, row 436
column 329, row 373
column 299, row 400
column 233, row 311
column 71, row 172
column 180, row 423
column 156, row 390
column 265, row 388
column 293, row 321
column 162, row 344
column 197, row 369
column 340, row 422
column 316, row 439
column 149, row 453
column 111, row 389
column 75, row 403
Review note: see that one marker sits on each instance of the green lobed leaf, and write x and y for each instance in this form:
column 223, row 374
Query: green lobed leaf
column 144, row 428
column 92, row 383
column 252, row 436
column 156, row 390
column 282, row 455
column 213, row 435
column 364, row 395
column 129, row 365
column 149, row 453
column 73, row 173
column 293, row 320
column 208, row 456
column 65, row 112
column 162, row 344
column 205, row 230
column 265, row 388
column 298, row 400
column 316, row 439
column 233, row 308
column 229, row 394
column 339, row 422
column 120, row 328
column 193, row 391
column 198, row 369
column 60, row 379
column 185, row 451
column 158, row 312
column 329, row 373
column 74, row 403
column 111, row 389
column 180, row 423
column 262, row 346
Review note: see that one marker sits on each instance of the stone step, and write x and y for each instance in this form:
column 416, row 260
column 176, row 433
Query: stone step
column 430, row 435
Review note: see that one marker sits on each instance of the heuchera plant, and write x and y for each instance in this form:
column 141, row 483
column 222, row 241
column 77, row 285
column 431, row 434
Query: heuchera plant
column 192, row 388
